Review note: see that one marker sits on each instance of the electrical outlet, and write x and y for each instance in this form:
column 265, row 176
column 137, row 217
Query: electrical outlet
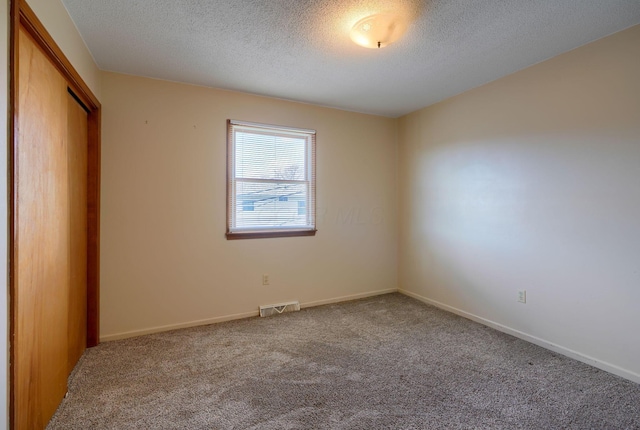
column 265, row 279
column 522, row 296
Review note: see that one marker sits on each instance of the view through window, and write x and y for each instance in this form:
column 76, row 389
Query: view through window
column 271, row 181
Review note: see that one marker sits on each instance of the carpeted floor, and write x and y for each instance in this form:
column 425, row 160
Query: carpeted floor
column 388, row 362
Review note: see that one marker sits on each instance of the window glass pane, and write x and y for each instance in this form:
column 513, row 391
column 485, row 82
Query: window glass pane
column 265, row 205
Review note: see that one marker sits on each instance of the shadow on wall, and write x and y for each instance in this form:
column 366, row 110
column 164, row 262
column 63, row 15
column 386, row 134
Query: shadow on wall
column 544, row 213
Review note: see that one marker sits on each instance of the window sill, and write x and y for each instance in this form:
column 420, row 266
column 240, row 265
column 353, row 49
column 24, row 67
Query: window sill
column 269, row 234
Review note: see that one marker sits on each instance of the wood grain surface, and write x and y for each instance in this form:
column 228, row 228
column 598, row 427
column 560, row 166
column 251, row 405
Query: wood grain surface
column 78, row 171
column 42, row 247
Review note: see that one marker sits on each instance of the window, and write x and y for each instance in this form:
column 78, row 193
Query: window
column 271, row 187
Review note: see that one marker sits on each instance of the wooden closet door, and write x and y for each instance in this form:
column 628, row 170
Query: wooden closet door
column 78, row 174
column 41, row 246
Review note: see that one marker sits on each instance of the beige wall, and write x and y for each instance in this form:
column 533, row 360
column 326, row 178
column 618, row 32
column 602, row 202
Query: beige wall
column 533, row 182
column 58, row 23
column 165, row 260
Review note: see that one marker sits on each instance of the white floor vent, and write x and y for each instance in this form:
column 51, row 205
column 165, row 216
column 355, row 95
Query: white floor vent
column 280, row 308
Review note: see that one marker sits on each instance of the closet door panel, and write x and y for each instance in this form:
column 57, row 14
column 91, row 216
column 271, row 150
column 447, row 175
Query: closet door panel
column 41, row 247
column 78, row 173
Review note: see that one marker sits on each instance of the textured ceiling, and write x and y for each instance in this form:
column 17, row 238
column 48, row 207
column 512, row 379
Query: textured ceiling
column 300, row 49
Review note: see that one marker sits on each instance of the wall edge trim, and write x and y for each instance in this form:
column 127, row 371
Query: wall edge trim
column 348, row 298
column 170, row 327
column 602, row 365
column 232, row 317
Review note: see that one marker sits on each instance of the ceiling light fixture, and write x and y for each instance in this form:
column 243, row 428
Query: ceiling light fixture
column 377, row 31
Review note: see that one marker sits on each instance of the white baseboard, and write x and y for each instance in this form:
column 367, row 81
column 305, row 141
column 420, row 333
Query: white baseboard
column 348, row 298
column 159, row 329
column 169, row 327
column 611, row 368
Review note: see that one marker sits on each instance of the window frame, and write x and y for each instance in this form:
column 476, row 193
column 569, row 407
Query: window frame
column 310, row 165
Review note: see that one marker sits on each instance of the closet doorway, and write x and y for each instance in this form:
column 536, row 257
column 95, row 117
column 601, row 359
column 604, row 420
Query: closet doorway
column 54, row 272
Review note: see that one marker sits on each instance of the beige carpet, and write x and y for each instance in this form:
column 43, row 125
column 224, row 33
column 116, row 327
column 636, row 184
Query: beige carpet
column 388, row 362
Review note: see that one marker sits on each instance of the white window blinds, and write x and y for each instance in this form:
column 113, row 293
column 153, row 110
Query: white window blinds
column 271, row 179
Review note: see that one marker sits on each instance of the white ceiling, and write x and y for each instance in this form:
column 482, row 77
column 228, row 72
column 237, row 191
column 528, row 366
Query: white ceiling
column 300, row 49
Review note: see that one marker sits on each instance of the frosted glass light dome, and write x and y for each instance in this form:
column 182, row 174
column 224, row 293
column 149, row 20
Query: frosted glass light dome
column 377, row 31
